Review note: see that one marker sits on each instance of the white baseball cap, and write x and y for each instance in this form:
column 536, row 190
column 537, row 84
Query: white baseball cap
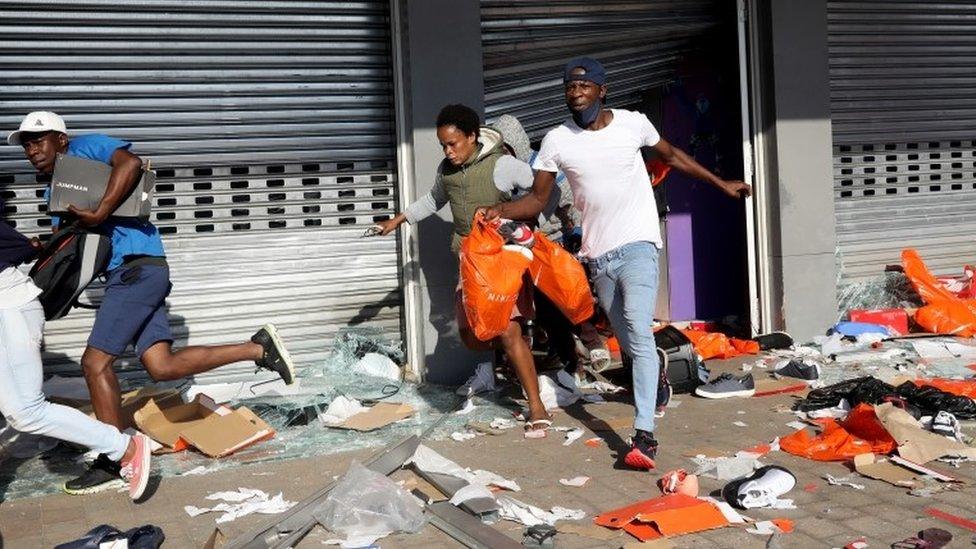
column 38, row 121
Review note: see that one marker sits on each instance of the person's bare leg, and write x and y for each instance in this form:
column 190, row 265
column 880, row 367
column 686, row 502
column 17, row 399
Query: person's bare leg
column 163, row 364
column 520, row 356
column 103, row 386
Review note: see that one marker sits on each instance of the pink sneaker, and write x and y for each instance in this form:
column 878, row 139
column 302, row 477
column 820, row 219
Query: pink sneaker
column 136, row 470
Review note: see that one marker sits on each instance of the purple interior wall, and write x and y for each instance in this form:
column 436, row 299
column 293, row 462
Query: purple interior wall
column 705, row 229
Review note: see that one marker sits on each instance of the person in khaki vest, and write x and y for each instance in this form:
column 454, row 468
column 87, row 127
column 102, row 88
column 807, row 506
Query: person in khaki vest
column 476, row 171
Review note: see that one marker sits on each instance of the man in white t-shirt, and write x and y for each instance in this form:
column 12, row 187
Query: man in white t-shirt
column 599, row 151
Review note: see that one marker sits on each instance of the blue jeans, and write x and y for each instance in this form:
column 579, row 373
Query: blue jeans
column 625, row 280
column 21, row 400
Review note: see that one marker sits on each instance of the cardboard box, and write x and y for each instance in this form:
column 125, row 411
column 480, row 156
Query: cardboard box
column 82, row 183
column 213, row 429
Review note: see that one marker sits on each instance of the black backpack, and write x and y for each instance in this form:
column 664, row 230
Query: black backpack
column 67, row 265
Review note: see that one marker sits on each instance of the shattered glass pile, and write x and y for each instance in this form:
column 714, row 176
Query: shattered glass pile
column 33, row 466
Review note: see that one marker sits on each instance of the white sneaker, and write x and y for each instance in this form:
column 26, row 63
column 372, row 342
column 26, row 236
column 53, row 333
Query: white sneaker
column 760, row 489
column 483, row 381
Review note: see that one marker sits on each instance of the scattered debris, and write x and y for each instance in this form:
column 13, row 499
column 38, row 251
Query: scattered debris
column 502, row 423
column 842, row 481
column 467, row 408
column 240, row 503
column 461, row 437
column 365, row 506
column 670, row 515
column 572, row 435
column 575, row 481
column 530, row 515
column 594, row 442
column 678, row 482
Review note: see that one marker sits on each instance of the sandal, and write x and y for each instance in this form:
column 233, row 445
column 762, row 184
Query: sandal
column 532, row 432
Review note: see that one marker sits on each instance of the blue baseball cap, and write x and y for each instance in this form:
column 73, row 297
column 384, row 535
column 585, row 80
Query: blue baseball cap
column 593, row 71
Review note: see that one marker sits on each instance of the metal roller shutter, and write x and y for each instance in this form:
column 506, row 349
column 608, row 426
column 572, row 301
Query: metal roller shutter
column 903, row 105
column 526, row 43
column 270, row 125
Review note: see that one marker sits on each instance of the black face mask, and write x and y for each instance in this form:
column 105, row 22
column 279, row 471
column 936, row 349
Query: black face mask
column 588, row 115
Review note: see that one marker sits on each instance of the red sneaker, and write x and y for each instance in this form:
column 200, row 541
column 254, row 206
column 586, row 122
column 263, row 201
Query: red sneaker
column 643, row 448
column 136, row 470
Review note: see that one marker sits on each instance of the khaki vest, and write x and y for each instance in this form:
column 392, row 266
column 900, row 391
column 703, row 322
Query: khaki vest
column 470, row 186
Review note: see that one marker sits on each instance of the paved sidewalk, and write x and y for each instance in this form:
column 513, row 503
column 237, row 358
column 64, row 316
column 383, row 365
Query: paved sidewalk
column 827, row 516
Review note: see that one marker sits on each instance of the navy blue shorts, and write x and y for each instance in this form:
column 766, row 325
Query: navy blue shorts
column 133, row 310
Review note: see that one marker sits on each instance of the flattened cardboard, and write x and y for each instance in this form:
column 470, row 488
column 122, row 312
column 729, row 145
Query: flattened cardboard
column 221, row 435
column 669, row 515
column 914, row 443
column 213, row 429
column 378, row 416
column 870, row 466
column 924, row 470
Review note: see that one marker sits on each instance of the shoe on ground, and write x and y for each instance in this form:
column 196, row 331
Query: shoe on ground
column 643, row 450
column 275, row 356
column 947, row 425
column 760, row 489
column 599, row 359
column 103, row 474
column 774, row 340
column 136, row 470
column 796, row 368
column 728, row 386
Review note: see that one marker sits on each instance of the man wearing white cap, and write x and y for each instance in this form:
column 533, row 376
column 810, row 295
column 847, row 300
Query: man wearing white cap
column 132, row 311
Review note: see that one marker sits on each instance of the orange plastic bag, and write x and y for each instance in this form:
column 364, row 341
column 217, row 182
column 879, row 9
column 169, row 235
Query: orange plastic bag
column 948, row 317
column 945, row 312
column 925, row 283
column 717, row 345
column 958, row 387
column 491, row 278
column 556, row 273
column 657, row 170
column 861, row 432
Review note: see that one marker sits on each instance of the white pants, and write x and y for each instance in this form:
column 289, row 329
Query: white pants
column 21, row 399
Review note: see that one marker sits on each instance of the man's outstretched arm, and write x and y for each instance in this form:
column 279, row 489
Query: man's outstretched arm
column 529, row 206
column 679, row 160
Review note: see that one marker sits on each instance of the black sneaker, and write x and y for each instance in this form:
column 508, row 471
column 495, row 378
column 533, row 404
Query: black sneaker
column 103, row 474
column 276, row 357
column 643, row 449
column 799, row 369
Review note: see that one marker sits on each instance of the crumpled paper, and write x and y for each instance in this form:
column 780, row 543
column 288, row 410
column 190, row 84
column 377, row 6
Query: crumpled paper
column 340, row 409
column 726, row 468
column 240, row 503
column 530, row 515
column 430, row 461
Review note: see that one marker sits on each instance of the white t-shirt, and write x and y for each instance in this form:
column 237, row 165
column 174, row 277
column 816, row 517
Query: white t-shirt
column 16, row 288
column 606, row 172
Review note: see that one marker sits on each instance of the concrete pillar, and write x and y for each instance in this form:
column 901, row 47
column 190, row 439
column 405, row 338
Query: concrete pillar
column 442, row 64
column 801, row 202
